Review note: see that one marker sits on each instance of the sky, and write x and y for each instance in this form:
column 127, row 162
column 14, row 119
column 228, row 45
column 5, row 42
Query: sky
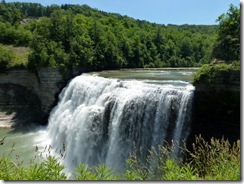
column 199, row 12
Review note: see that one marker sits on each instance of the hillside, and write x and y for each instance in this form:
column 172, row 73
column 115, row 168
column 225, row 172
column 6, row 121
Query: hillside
column 74, row 35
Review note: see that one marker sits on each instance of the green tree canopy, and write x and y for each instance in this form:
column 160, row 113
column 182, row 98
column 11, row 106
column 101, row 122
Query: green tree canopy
column 228, row 39
column 73, row 35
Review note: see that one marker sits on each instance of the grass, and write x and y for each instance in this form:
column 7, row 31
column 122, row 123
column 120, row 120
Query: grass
column 214, row 160
column 19, row 55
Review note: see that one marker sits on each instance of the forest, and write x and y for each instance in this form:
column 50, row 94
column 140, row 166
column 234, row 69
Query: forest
column 69, row 36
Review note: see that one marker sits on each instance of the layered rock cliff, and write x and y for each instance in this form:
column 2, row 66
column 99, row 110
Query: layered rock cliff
column 45, row 85
column 216, row 108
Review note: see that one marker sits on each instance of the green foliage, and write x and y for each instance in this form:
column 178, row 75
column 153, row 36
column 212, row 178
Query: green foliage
column 161, row 164
column 136, row 170
column 13, row 57
column 214, row 160
column 105, row 41
column 210, row 73
column 49, row 169
column 9, row 13
column 104, row 173
column 20, row 56
column 235, row 65
column 16, row 35
column 100, row 172
column 227, row 46
column 173, row 171
column 83, row 172
column 8, row 169
column 217, row 159
column 72, row 35
column 6, row 57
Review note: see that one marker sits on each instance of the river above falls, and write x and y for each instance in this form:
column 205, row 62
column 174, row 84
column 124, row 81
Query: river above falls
column 176, row 77
column 25, row 143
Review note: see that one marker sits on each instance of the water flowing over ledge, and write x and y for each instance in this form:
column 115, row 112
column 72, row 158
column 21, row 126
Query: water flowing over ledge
column 100, row 120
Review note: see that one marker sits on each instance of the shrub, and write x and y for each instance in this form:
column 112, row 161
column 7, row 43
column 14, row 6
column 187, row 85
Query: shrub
column 217, row 159
column 100, row 172
column 173, row 171
column 209, row 73
column 6, row 56
column 214, row 160
column 49, row 169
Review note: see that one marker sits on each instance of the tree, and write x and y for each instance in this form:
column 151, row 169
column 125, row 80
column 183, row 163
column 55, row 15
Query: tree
column 186, row 47
column 228, row 40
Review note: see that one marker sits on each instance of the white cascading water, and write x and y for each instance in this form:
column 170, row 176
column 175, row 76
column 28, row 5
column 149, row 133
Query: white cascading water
column 101, row 120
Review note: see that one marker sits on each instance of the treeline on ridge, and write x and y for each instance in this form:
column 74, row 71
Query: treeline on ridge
column 73, row 35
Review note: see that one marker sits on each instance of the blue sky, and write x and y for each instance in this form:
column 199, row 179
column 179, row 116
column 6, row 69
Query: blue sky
column 159, row 11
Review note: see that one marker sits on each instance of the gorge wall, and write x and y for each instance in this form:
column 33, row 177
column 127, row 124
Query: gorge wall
column 216, row 108
column 18, row 105
column 40, row 89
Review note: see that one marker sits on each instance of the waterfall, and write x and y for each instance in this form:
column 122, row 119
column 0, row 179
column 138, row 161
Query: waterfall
column 101, row 120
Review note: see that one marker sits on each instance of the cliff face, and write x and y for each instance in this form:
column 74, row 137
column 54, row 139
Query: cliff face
column 18, row 105
column 45, row 86
column 216, row 108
